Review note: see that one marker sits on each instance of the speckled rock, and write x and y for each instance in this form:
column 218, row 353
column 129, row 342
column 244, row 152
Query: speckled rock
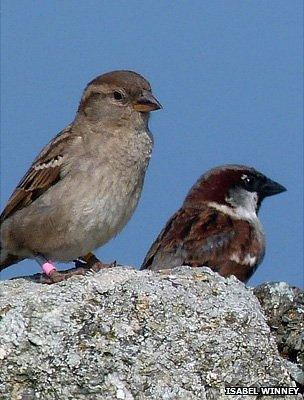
column 283, row 306
column 135, row 335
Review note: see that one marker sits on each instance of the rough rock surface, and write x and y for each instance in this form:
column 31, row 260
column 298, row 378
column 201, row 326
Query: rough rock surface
column 283, row 306
column 126, row 334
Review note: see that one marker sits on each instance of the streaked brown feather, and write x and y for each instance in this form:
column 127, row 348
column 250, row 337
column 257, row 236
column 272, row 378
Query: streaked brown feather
column 43, row 173
column 204, row 237
column 177, row 230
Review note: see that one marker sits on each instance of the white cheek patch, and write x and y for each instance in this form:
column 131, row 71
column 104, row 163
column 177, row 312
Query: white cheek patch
column 247, row 260
column 237, row 212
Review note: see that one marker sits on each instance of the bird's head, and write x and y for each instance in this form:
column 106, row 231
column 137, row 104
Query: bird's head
column 118, row 97
column 235, row 187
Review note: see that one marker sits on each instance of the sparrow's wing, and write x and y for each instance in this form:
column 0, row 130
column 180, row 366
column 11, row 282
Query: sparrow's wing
column 43, row 173
column 170, row 234
column 191, row 237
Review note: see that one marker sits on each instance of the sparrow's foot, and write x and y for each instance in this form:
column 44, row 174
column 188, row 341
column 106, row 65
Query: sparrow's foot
column 58, row 276
column 83, row 266
column 91, row 262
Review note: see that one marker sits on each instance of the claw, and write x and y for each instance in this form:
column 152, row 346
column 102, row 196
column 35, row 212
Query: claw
column 86, row 265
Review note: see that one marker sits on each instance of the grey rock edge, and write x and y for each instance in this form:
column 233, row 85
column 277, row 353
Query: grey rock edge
column 126, row 334
column 283, row 306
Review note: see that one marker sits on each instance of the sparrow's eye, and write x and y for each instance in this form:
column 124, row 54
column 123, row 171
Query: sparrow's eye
column 248, row 180
column 118, row 96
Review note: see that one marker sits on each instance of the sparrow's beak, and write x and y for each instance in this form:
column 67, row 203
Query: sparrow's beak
column 271, row 188
column 147, row 102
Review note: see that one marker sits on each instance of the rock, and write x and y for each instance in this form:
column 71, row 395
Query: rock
column 135, row 335
column 283, row 306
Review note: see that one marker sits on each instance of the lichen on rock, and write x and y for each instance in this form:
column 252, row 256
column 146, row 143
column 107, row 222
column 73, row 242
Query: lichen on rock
column 283, row 306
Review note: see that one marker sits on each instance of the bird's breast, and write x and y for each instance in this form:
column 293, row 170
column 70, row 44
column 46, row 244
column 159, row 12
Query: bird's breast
column 109, row 188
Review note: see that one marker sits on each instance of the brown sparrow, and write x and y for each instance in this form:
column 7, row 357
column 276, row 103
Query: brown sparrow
column 83, row 187
column 217, row 225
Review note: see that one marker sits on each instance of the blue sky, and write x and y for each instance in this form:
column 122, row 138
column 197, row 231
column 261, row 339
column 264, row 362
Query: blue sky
column 228, row 73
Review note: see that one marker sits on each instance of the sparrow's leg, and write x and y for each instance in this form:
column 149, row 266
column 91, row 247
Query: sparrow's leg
column 47, row 267
column 84, row 264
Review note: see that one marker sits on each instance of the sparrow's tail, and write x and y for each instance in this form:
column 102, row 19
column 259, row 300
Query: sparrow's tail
column 7, row 259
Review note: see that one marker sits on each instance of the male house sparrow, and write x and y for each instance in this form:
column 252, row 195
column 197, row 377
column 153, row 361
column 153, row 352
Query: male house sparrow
column 217, row 225
column 84, row 185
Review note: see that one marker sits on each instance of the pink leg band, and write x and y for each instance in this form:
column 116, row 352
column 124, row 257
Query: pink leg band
column 48, row 268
